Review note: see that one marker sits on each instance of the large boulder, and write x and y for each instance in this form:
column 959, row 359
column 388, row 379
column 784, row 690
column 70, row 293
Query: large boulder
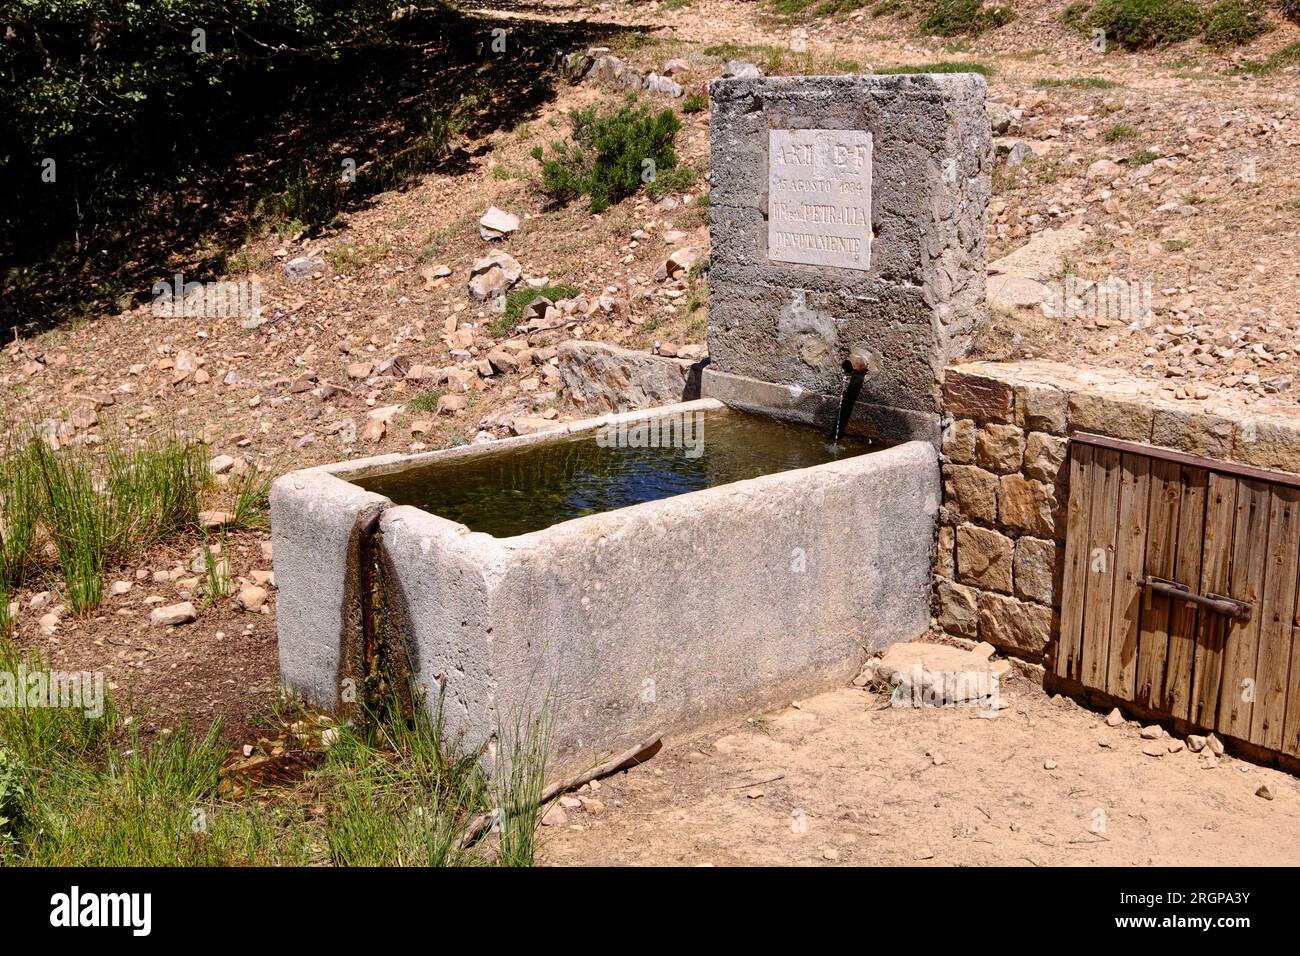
column 606, row 378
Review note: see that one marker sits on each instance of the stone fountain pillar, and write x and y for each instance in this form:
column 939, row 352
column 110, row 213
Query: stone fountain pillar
column 847, row 212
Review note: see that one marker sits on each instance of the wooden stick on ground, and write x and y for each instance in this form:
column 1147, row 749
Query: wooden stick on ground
column 480, row 822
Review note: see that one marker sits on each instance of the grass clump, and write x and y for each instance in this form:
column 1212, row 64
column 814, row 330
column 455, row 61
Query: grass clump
column 393, row 789
column 1138, row 24
column 1289, row 55
column 94, row 507
column 1143, row 157
column 695, row 103
column 520, row 299
column 950, row 66
column 1234, row 22
column 1077, row 83
column 1120, row 132
column 426, row 403
column 950, row 18
column 609, row 156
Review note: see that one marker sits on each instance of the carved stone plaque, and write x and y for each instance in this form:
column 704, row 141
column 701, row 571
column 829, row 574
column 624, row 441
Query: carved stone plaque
column 819, row 197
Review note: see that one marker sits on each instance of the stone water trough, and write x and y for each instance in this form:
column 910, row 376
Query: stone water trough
column 669, row 615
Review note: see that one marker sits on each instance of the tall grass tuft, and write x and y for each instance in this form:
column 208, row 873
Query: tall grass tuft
column 79, row 522
column 519, row 781
column 152, row 492
column 20, row 509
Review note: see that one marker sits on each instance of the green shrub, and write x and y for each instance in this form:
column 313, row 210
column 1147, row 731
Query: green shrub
column 950, row 18
column 609, row 156
column 1120, row 132
column 12, row 790
column 517, row 300
column 695, row 103
column 1234, row 22
column 1076, row 14
column 958, row 66
column 1146, row 23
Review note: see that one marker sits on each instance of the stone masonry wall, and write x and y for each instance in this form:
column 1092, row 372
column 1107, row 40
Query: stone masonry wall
column 1001, row 541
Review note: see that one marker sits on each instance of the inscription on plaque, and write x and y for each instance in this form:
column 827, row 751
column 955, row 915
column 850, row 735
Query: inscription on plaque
column 819, row 197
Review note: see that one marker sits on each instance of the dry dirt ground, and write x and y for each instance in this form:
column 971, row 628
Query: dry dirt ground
column 846, row 779
column 1212, row 221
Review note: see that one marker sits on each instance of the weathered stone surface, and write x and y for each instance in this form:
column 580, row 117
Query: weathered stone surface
column 1035, row 570
column 1043, row 256
column 497, row 223
column 959, row 441
column 1000, row 448
column 984, row 558
column 1114, row 415
column 958, row 609
column 972, row 492
column 916, row 304
column 978, row 397
column 1268, row 442
column 945, row 563
column 1044, row 455
column 1042, row 408
column 1015, row 626
column 606, row 378
column 1027, row 505
column 1192, row 430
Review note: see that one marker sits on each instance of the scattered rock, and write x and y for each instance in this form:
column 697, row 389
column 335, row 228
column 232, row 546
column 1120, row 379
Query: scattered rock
column 221, row 464
column 555, row 817
column 1195, row 743
column 1264, row 792
column 251, row 598
column 1152, row 732
column 741, row 70
column 497, row 223
column 1154, row 748
column 172, row 615
column 492, row 275
column 1049, row 764
column 303, row 267
column 1214, row 745
column 1115, row 718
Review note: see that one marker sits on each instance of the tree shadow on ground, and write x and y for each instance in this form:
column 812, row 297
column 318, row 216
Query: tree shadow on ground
column 391, row 110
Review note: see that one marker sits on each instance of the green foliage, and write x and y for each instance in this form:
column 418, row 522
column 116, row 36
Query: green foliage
column 695, row 103
column 675, row 180
column 950, row 66
column 609, row 156
column 1234, row 22
column 517, row 300
column 1076, row 15
column 12, row 791
column 426, row 403
column 1289, row 9
column 1143, row 157
column 1146, row 23
column 950, row 18
column 1078, row 83
column 1120, row 132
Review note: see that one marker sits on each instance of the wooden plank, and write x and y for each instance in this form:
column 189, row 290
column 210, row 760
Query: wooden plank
column 1216, row 568
column 1126, row 603
column 1166, row 495
column 1236, row 469
column 1264, row 651
column 1074, row 578
column 1102, row 535
column 1291, row 734
column 1187, row 570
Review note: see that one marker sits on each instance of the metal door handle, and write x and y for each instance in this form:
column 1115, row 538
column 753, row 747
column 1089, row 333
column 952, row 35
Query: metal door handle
column 1214, row 602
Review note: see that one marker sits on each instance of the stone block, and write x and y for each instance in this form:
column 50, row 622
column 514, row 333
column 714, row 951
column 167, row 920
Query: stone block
column 984, row 558
column 1000, row 448
column 971, row 492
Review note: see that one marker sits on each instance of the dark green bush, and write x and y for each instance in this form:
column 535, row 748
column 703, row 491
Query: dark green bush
column 695, row 103
column 1234, row 22
column 609, row 156
column 1146, row 23
column 950, row 18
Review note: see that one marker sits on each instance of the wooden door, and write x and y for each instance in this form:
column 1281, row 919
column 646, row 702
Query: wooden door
column 1180, row 588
